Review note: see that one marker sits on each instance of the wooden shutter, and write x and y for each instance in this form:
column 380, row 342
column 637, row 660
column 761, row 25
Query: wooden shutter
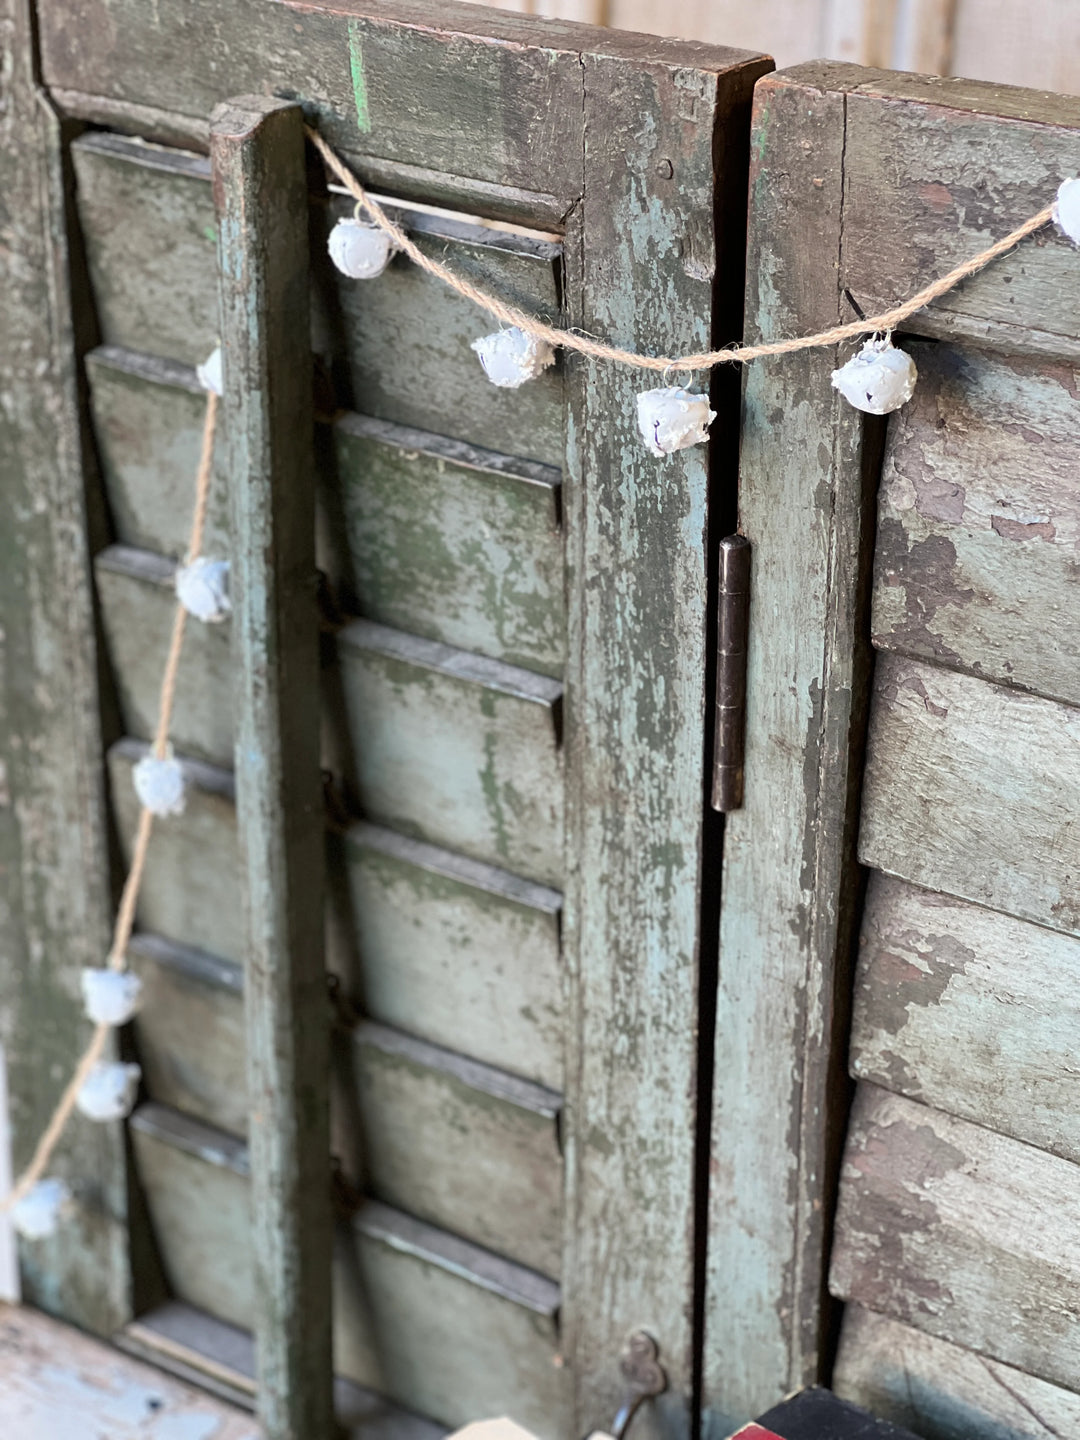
column 916, row 578
column 514, row 680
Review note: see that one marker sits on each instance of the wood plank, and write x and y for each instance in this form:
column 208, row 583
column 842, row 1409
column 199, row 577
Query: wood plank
column 788, row 878
column 946, row 1392
column 977, row 515
column 55, row 916
column 257, row 153
column 454, row 1141
column 187, row 1342
column 960, row 1232
column 970, row 1011
column 398, row 348
column 453, row 748
column 423, row 937
column 944, row 204
column 421, row 1316
column 147, row 417
column 958, row 794
column 57, row 1382
column 448, row 541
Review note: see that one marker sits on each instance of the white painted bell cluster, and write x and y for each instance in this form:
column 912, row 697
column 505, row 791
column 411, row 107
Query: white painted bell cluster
column 879, row 379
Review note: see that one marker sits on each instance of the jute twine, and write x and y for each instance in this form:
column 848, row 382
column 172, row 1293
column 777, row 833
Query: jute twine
column 125, row 916
column 703, row 360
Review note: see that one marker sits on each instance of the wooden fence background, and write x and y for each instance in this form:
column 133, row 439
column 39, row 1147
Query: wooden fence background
column 1014, row 42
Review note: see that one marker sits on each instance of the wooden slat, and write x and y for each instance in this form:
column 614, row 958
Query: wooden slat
column 974, row 789
column 979, row 520
column 788, row 878
column 260, row 190
column 970, row 1011
column 55, row 915
column 943, row 1391
column 430, row 1320
column 960, row 1232
column 454, row 1141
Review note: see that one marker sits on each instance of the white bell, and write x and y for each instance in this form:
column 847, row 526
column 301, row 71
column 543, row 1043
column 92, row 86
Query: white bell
column 203, row 589
column 879, row 379
column 510, row 357
column 110, row 997
column 108, row 1092
column 160, row 785
column 673, row 419
column 1067, row 210
column 38, row 1213
column 359, row 250
column 209, row 373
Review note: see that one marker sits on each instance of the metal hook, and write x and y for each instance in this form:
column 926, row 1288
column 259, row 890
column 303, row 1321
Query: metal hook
column 645, row 1378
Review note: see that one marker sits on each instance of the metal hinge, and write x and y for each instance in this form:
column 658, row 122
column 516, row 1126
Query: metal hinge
column 732, row 633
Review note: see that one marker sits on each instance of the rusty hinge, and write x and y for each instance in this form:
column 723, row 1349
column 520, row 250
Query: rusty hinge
column 644, row 1377
column 732, row 632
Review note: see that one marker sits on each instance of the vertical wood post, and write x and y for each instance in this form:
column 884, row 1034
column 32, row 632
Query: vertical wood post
column 260, row 188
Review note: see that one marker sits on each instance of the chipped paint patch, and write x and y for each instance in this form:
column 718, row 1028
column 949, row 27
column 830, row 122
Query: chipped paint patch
column 359, row 79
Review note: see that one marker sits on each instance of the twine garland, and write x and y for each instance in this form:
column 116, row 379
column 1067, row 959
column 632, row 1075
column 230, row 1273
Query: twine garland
column 703, row 360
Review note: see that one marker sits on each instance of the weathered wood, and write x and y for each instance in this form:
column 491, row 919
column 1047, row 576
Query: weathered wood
column 943, row 1391
column 643, row 253
column 451, row 747
column 221, row 1358
column 55, row 913
column 970, row 1011
column 448, row 1139
column 788, row 877
column 974, row 789
column 962, row 1233
column 147, row 417
column 447, row 540
column 979, row 520
column 260, row 190
column 430, row 1320
column 424, row 938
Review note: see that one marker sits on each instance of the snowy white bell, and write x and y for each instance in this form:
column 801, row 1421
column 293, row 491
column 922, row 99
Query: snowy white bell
column 108, row 1092
column 159, row 784
column 111, row 997
column 209, row 372
column 510, row 357
column 359, row 250
column 879, row 379
column 38, row 1213
column 203, row 589
column 1067, row 210
column 673, row 419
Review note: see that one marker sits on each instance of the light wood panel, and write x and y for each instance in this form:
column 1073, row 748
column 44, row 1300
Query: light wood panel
column 979, row 520
column 970, row 1011
column 974, row 789
column 960, row 1232
column 943, row 1391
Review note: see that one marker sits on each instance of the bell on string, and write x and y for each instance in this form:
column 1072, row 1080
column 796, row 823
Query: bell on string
column 360, row 250
column 1067, row 210
column 38, row 1213
column 510, row 357
column 160, row 785
column 108, row 1092
column 879, row 379
column 209, row 373
column 110, row 997
column 671, row 419
column 203, row 589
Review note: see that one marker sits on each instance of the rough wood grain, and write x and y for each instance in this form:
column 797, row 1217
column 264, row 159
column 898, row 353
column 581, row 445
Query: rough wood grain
column 970, row 1011
column 260, row 192
column 54, row 880
column 788, row 876
column 974, row 789
column 979, row 520
column 436, row 1323
column 942, row 1391
column 965, row 1234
